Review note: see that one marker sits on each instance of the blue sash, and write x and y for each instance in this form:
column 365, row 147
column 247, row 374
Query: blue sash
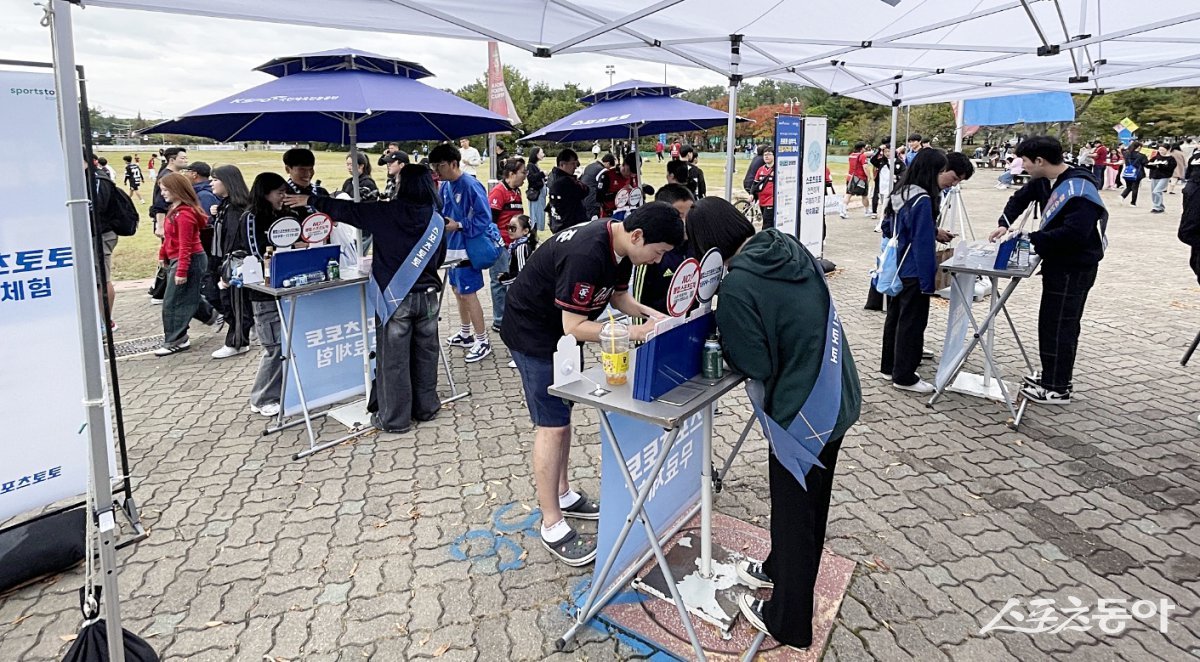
column 798, row 446
column 386, row 301
column 1077, row 188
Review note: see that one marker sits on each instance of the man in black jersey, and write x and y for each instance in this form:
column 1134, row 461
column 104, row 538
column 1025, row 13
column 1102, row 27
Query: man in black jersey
column 567, row 284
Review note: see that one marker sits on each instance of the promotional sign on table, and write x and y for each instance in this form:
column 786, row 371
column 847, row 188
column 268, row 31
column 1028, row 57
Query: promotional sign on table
column 811, row 232
column 316, row 228
column 683, row 288
column 44, row 448
column 328, row 345
column 672, row 492
column 712, row 269
column 787, row 172
column 284, row 232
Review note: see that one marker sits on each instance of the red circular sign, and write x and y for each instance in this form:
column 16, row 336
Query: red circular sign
column 316, row 228
column 684, row 285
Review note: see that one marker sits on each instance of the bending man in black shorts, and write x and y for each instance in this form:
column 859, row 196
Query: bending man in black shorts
column 565, row 286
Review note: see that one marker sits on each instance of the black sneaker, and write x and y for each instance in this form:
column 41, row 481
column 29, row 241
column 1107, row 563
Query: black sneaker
column 1034, row 380
column 1046, row 396
column 584, row 508
column 752, row 575
column 751, row 608
column 459, row 340
column 574, row 550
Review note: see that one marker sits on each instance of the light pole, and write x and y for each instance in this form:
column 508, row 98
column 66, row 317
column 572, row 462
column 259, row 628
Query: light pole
column 610, row 70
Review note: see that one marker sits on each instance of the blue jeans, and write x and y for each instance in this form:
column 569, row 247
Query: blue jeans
column 1157, row 188
column 537, row 211
column 499, row 291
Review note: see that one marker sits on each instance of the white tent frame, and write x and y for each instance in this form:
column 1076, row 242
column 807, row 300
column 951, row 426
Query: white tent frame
column 955, row 81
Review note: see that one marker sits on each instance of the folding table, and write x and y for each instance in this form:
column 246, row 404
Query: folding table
column 987, row 384
column 592, row 390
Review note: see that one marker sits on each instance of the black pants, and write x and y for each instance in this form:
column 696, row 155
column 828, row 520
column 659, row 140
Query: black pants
column 875, row 195
column 768, row 214
column 1098, row 173
column 406, row 356
column 240, row 316
column 798, row 519
column 904, row 333
column 209, row 289
column 159, row 289
column 1132, row 186
column 1064, row 294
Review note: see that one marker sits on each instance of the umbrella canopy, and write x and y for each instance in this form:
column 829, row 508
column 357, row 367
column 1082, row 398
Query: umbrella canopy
column 343, row 59
column 637, row 105
column 323, row 105
column 631, row 88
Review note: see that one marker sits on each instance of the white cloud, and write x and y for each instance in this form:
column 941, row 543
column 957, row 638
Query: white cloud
column 166, row 64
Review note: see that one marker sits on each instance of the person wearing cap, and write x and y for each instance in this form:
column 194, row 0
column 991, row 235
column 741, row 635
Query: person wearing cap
column 395, row 162
column 392, row 149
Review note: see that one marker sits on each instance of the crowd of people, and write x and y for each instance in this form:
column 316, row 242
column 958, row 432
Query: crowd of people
column 612, row 247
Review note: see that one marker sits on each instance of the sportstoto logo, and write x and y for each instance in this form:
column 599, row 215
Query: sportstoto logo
column 601, row 120
column 279, row 98
column 31, row 92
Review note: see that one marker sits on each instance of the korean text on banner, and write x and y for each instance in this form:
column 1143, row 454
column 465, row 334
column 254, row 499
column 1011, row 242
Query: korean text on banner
column 44, row 444
column 675, row 490
column 787, row 173
column 812, row 188
column 328, row 346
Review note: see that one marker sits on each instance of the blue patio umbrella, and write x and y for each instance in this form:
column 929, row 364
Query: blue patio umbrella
column 631, row 108
column 339, row 106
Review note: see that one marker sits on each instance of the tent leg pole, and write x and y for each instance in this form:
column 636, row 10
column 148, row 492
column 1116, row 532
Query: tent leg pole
column 958, row 125
column 67, row 91
column 735, row 60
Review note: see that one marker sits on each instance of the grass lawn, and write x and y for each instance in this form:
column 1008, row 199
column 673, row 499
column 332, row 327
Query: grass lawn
column 136, row 257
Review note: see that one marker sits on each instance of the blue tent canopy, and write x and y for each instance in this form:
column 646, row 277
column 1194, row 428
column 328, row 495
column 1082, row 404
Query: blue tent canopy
column 343, row 59
column 323, row 105
column 1040, row 107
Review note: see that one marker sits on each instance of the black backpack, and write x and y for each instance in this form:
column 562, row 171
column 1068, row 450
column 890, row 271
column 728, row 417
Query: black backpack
column 114, row 209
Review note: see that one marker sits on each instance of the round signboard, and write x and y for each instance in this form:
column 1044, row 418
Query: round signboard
column 316, row 228
column 628, row 197
column 682, row 291
column 284, row 232
column 712, row 267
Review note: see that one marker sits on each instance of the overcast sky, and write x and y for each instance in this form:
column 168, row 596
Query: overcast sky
column 164, row 64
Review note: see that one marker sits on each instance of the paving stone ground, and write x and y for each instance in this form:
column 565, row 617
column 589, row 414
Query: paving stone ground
column 351, row 554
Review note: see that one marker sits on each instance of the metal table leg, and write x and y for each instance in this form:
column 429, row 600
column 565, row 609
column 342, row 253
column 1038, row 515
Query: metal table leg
column 706, row 496
column 592, row 605
column 723, row 474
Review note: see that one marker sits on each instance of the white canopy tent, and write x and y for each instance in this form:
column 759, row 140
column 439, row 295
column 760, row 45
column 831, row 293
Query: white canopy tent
column 896, row 52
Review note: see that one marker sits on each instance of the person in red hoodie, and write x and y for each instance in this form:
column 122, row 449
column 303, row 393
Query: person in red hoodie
column 183, row 257
column 764, row 188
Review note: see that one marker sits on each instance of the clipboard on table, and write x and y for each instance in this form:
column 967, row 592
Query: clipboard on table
column 671, row 358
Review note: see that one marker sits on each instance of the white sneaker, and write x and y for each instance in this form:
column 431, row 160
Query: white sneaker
column 842, row 214
column 512, row 364
column 478, row 352
column 269, row 410
column 921, row 386
column 155, row 302
column 227, row 351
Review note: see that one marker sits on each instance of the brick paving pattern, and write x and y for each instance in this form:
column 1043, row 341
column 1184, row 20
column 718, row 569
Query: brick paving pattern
column 409, row 546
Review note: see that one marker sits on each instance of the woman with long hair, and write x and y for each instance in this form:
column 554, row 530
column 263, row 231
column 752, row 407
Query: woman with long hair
column 778, row 318
column 229, row 185
column 405, row 282
column 368, row 190
column 183, row 257
column 912, row 213
column 266, row 207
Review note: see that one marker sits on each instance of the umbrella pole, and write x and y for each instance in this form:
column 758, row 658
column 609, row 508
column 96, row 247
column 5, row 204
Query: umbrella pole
column 63, row 44
column 358, row 246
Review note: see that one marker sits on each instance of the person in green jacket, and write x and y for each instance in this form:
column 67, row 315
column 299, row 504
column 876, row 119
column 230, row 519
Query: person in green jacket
column 772, row 312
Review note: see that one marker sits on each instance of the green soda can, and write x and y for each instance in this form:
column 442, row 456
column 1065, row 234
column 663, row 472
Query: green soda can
column 333, row 271
column 712, row 367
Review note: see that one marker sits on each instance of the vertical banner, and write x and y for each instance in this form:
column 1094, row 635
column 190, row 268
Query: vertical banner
column 787, row 173
column 812, row 188
column 672, row 492
column 43, row 443
column 958, row 330
column 328, row 345
column 499, row 101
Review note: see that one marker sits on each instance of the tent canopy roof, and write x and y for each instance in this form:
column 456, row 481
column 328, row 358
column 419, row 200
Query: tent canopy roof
column 918, row 51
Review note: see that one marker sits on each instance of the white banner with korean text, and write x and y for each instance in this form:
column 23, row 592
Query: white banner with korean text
column 43, row 439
